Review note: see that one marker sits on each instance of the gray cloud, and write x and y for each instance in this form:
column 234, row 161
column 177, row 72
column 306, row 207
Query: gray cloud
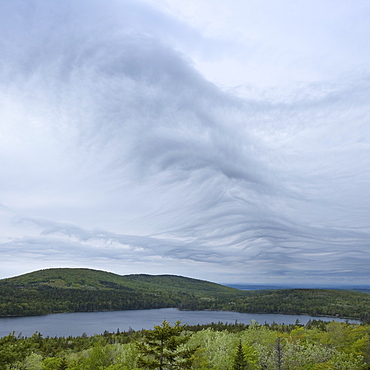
column 116, row 153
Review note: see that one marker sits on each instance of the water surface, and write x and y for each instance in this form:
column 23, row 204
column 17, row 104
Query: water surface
column 75, row 324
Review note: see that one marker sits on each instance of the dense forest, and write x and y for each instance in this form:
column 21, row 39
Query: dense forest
column 317, row 345
column 84, row 290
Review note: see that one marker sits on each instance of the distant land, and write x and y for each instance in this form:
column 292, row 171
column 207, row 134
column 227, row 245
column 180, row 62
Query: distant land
column 361, row 288
column 60, row 290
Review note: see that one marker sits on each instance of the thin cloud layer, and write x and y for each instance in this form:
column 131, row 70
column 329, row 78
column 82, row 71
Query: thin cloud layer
column 117, row 153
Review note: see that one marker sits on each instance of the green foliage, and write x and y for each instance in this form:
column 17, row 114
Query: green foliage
column 53, row 363
column 31, row 362
column 315, row 302
column 83, row 290
column 163, row 348
column 279, row 353
column 315, row 346
column 14, row 350
column 218, row 348
column 239, row 361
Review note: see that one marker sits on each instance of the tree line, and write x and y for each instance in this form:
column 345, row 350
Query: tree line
column 15, row 301
column 84, row 290
column 317, row 345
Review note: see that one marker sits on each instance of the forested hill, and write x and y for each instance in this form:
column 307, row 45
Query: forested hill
column 87, row 279
column 83, row 290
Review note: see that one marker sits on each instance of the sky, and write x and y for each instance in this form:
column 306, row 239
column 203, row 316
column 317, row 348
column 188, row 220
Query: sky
column 221, row 140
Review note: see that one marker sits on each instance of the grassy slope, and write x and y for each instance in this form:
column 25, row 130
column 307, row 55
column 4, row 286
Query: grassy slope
column 69, row 290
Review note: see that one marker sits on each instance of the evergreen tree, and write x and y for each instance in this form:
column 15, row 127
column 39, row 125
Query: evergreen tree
column 240, row 362
column 279, row 353
column 163, row 348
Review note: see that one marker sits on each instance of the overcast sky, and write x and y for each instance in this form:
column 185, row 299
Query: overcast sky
column 222, row 140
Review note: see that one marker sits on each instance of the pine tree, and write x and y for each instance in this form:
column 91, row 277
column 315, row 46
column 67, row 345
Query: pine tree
column 279, row 353
column 240, row 362
column 163, row 348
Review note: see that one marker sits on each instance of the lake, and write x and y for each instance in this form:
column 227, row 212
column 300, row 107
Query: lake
column 75, row 324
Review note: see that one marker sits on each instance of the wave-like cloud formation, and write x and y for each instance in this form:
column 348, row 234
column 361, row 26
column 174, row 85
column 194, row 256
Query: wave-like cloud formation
column 117, row 154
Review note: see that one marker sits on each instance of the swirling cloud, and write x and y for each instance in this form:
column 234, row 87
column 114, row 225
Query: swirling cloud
column 117, row 152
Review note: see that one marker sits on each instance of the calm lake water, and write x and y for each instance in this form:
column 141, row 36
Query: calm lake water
column 75, row 324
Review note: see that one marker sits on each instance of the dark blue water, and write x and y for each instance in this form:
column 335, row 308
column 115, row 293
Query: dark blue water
column 75, row 324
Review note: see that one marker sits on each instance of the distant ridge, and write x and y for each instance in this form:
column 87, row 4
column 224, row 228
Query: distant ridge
column 84, row 290
column 361, row 288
